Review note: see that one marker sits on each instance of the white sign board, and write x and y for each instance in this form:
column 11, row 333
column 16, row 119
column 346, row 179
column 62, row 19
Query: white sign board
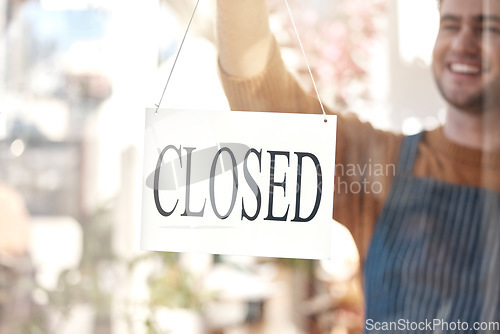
column 239, row 183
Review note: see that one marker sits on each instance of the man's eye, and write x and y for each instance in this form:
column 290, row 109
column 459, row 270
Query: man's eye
column 450, row 27
column 491, row 29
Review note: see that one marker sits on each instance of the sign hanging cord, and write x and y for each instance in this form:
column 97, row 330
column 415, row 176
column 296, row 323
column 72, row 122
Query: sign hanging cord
column 298, row 38
column 177, row 57
column 305, row 57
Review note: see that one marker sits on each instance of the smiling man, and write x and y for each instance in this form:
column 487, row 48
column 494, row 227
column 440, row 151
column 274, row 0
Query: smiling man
column 429, row 242
column 466, row 66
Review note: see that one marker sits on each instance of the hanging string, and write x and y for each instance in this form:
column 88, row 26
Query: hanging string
column 298, row 38
column 305, row 57
column 176, row 57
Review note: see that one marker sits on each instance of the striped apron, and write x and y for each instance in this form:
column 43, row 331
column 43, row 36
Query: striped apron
column 433, row 265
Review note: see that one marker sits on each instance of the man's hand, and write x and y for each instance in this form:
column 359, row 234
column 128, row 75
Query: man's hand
column 244, row 37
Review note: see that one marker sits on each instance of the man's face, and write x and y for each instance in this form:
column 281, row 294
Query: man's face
column 466, row 58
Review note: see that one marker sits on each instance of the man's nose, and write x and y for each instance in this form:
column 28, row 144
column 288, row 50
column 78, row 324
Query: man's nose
column 467, row 42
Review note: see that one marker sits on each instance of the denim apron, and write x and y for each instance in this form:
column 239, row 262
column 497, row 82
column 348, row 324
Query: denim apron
column 433, row 265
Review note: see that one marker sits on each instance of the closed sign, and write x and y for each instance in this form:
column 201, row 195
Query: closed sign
column 240, row 183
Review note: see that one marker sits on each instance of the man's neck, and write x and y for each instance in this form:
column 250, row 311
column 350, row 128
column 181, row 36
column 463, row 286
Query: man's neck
column 479, row 131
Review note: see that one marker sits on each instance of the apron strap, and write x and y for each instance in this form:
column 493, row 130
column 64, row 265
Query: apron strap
column 408, row 153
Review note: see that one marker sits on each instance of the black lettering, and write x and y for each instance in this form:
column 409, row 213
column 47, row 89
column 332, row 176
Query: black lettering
column 273, row 183
column 212, row 182
column 319, row 186
column 188, row 211
column 252, row 184
column 157, row 180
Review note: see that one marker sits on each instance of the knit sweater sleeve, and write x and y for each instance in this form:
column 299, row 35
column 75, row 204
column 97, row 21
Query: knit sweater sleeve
column 365, row 157
column 275, row 89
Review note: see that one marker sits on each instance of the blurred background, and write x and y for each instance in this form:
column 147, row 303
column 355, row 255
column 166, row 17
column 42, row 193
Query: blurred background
column 75, row 79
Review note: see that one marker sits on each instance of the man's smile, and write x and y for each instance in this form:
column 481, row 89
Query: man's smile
column 463, row 68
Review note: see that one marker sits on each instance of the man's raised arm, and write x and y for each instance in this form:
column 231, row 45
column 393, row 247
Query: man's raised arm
column 244, row 36
column 252, row 72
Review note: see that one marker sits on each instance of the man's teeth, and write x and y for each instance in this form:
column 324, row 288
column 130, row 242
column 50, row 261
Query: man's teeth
column 466, row 69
